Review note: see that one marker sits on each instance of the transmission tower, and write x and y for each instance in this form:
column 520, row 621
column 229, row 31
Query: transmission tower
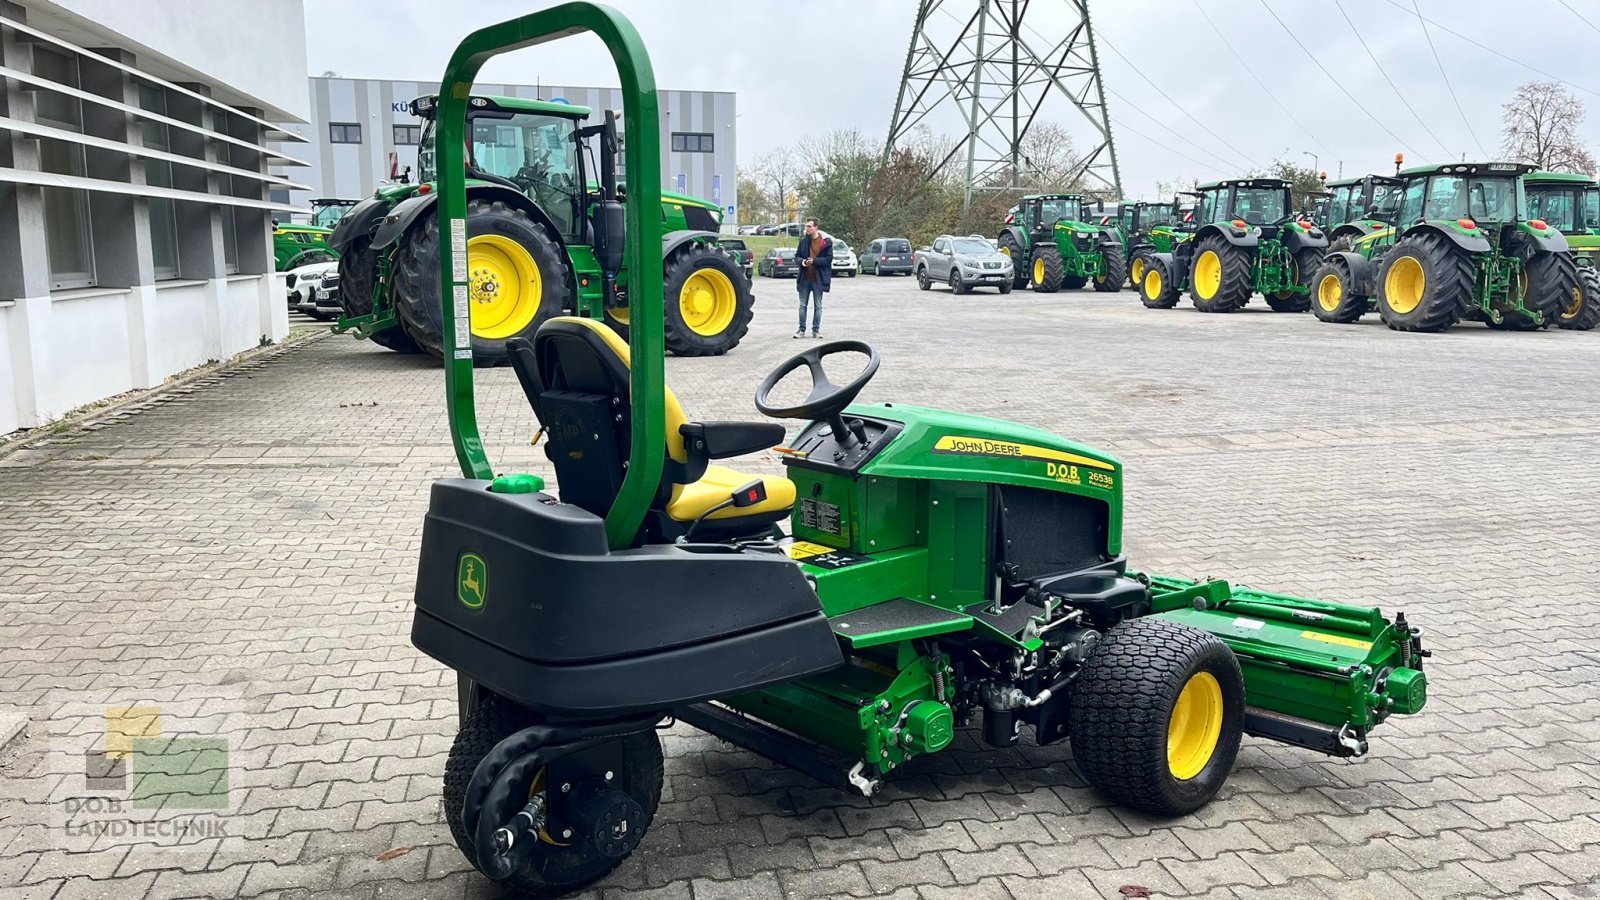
column 997, row 73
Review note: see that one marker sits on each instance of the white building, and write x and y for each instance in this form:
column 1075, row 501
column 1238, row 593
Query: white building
column 135, row 179
column 361, row 132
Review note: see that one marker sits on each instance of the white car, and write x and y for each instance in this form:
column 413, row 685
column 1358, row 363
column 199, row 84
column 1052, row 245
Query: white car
column 314, row 290
column 844, row 260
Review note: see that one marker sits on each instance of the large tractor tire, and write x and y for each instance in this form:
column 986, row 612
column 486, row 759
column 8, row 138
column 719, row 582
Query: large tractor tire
column 1333, row 295
column 1046, row 269
column 1552, row 283
column 1158, row 289
column 1582, row 312
column 358, row 271
column 1425, row 284
column 558, row 866
column 1219, row 276
column 1156, row 716
column 1114, row 269
column 1136, row 267
column 1019, row 266
column 1303, row 265
column 516, row 279
column 706, row 301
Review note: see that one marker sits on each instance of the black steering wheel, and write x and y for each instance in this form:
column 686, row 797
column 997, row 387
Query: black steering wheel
column 827, row 400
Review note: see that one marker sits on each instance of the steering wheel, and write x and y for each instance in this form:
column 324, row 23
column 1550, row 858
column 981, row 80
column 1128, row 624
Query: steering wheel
column 827, row 400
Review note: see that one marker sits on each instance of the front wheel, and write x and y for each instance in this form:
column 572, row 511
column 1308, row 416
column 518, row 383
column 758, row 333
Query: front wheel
column 923, row 281
column 1113, row 269
column 1333, row 293
column 1157, row 287
column 560, row 863
column 706, row 300
column 1048, row 271
column 957, row 286
column 1156, row 716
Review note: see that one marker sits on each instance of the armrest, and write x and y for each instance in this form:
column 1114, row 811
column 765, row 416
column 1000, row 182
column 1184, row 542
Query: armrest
column 720, row 440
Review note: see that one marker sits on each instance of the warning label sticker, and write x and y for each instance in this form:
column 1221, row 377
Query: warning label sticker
column 824, row 557
column 820, row 516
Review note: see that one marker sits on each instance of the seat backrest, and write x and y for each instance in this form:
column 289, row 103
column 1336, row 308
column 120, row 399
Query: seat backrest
column 575, row 373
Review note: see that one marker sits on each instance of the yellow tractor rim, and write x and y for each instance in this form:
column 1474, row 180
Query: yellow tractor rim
column 1329, row 292
column 1195, row 726
column 1006, row 249
column 1038, row 271
column 1152, row 284
column 504, row 286
column 1575, row 306
column 1137, row 271
column 708, row 302
column 1208, row 274
column 1404, row 285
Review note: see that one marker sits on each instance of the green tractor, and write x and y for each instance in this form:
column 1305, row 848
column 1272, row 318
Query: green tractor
column 1247, row 239
column 1146, row 228
column 295, row 245
column 1462, row 247
column 1063, row 243
column 1571, row 204
column 327, row 211
column 533, row 251
column 1357, row 207
column 938, row 570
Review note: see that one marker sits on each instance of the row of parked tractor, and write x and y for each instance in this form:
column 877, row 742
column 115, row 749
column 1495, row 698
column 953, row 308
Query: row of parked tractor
column 1426, row 248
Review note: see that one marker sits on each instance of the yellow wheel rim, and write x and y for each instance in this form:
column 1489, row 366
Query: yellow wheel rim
column 1195, row 726
column 619, row 315
column 1404, row 285
column 1575, row 306
column 708, row 302
column 1006, row 249
column 1208, row 274
column 1137, row 271
column 504, row 285
column 1329, row 292
column 1152, row 284
column 1038, row 271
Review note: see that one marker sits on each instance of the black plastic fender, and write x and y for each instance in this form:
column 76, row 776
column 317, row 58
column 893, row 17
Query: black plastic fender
column 1551, row 241
column 1469, row 243
column 358, row 222
column 1169, row 266
column 672, row 240
column 1018, row 235
column 1296, row 241
column 399, row 221
column 1248, row 239
column 1363, row 272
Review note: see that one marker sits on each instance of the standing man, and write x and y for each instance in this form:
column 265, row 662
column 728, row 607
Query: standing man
column 815, row 254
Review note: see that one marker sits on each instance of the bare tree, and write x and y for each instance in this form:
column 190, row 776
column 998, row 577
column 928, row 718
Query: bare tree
column 778, row 173
column 1049, row 160
column 1540, row 127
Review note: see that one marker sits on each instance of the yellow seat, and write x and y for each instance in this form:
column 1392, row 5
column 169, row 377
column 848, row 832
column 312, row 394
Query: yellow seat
column 681, row 502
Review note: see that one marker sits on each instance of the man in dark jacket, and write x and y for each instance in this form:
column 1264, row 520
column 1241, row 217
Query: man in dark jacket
column 815, row 256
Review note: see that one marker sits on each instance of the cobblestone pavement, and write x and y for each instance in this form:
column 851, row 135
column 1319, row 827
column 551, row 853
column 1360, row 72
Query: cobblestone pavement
column 245, row 547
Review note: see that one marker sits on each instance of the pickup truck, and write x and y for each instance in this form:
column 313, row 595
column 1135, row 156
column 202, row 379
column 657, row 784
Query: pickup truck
column 740, row 251
column 963, row 263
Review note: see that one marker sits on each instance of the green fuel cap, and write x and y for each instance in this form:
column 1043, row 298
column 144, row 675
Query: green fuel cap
column 517, row 484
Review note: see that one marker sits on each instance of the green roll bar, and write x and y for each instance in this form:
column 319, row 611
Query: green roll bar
column 641, row 112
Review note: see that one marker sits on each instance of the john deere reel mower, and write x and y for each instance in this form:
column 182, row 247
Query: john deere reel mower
column 1247, row 240
column 914, row 573
column 1462, row 247
column 1056, row 241
column 532, row 254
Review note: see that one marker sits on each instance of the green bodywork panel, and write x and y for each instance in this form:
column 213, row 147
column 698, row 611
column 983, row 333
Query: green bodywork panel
column 293, row 244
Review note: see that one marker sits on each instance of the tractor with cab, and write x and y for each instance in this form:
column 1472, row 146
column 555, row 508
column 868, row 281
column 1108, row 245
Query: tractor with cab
column 1145, row 228
column 1571, row 204
column 1057, row 240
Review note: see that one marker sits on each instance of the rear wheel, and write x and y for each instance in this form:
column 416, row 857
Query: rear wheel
column 1048, row 271
column 1019, row 269
column 1302, row 266
column 706, row 301
column 559, row 865
column 1582, row 312
column 1158, row 290
column 358, row 271
column 1219, row 277
column 1425, row 284
column 923, row 281
column 516, row 279
column 1156, row 716
column 1550, row 284
column 1114, row 269
column 1333, row 294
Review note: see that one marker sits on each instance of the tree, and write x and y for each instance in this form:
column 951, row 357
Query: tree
column 777, row 172
column 1305, row 183
column 756, row 206
column 1540, row 127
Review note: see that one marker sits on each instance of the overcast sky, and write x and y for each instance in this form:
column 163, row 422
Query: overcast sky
column 838, row 65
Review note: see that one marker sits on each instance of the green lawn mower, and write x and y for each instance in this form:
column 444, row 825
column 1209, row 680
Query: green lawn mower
column 1146, row 228
column 1247, row 240
column 1571, row 204
column 532, row 254
column 938, row 569
column 1462, row 247
column 1056, row 241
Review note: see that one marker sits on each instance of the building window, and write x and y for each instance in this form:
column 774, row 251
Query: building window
column 230, row 241
column 692, row 143
column 344, row 132
column 68, row 240
column 158, row 173
column 407, row 135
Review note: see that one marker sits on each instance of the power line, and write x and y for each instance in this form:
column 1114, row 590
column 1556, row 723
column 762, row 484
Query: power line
column 1578, row 14
column 1258, row 80
column 1167, row 147
column 1374, row 57
column 1464, row 120
column 1336, row 82
column 1226, row 164
column 1536, row 69
column 1178, row 106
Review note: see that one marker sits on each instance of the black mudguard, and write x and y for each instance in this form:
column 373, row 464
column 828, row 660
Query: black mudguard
column 1020, row 236
column 1168, row 263
column 398, row 222
column 1471, row 244
column 1363, row 272
column 1552, row 241
column 1295, row 241
column 563, row 625
column 358, row 222
column 1248, row 239
column 672, row 240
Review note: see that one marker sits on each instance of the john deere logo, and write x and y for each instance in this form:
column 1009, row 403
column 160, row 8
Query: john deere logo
column 472, row 581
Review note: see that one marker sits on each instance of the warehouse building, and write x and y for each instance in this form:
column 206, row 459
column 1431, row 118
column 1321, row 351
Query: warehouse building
column 135, row 171
column 362, row 134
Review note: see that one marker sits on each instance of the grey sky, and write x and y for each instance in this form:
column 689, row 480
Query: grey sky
column 837, row 65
